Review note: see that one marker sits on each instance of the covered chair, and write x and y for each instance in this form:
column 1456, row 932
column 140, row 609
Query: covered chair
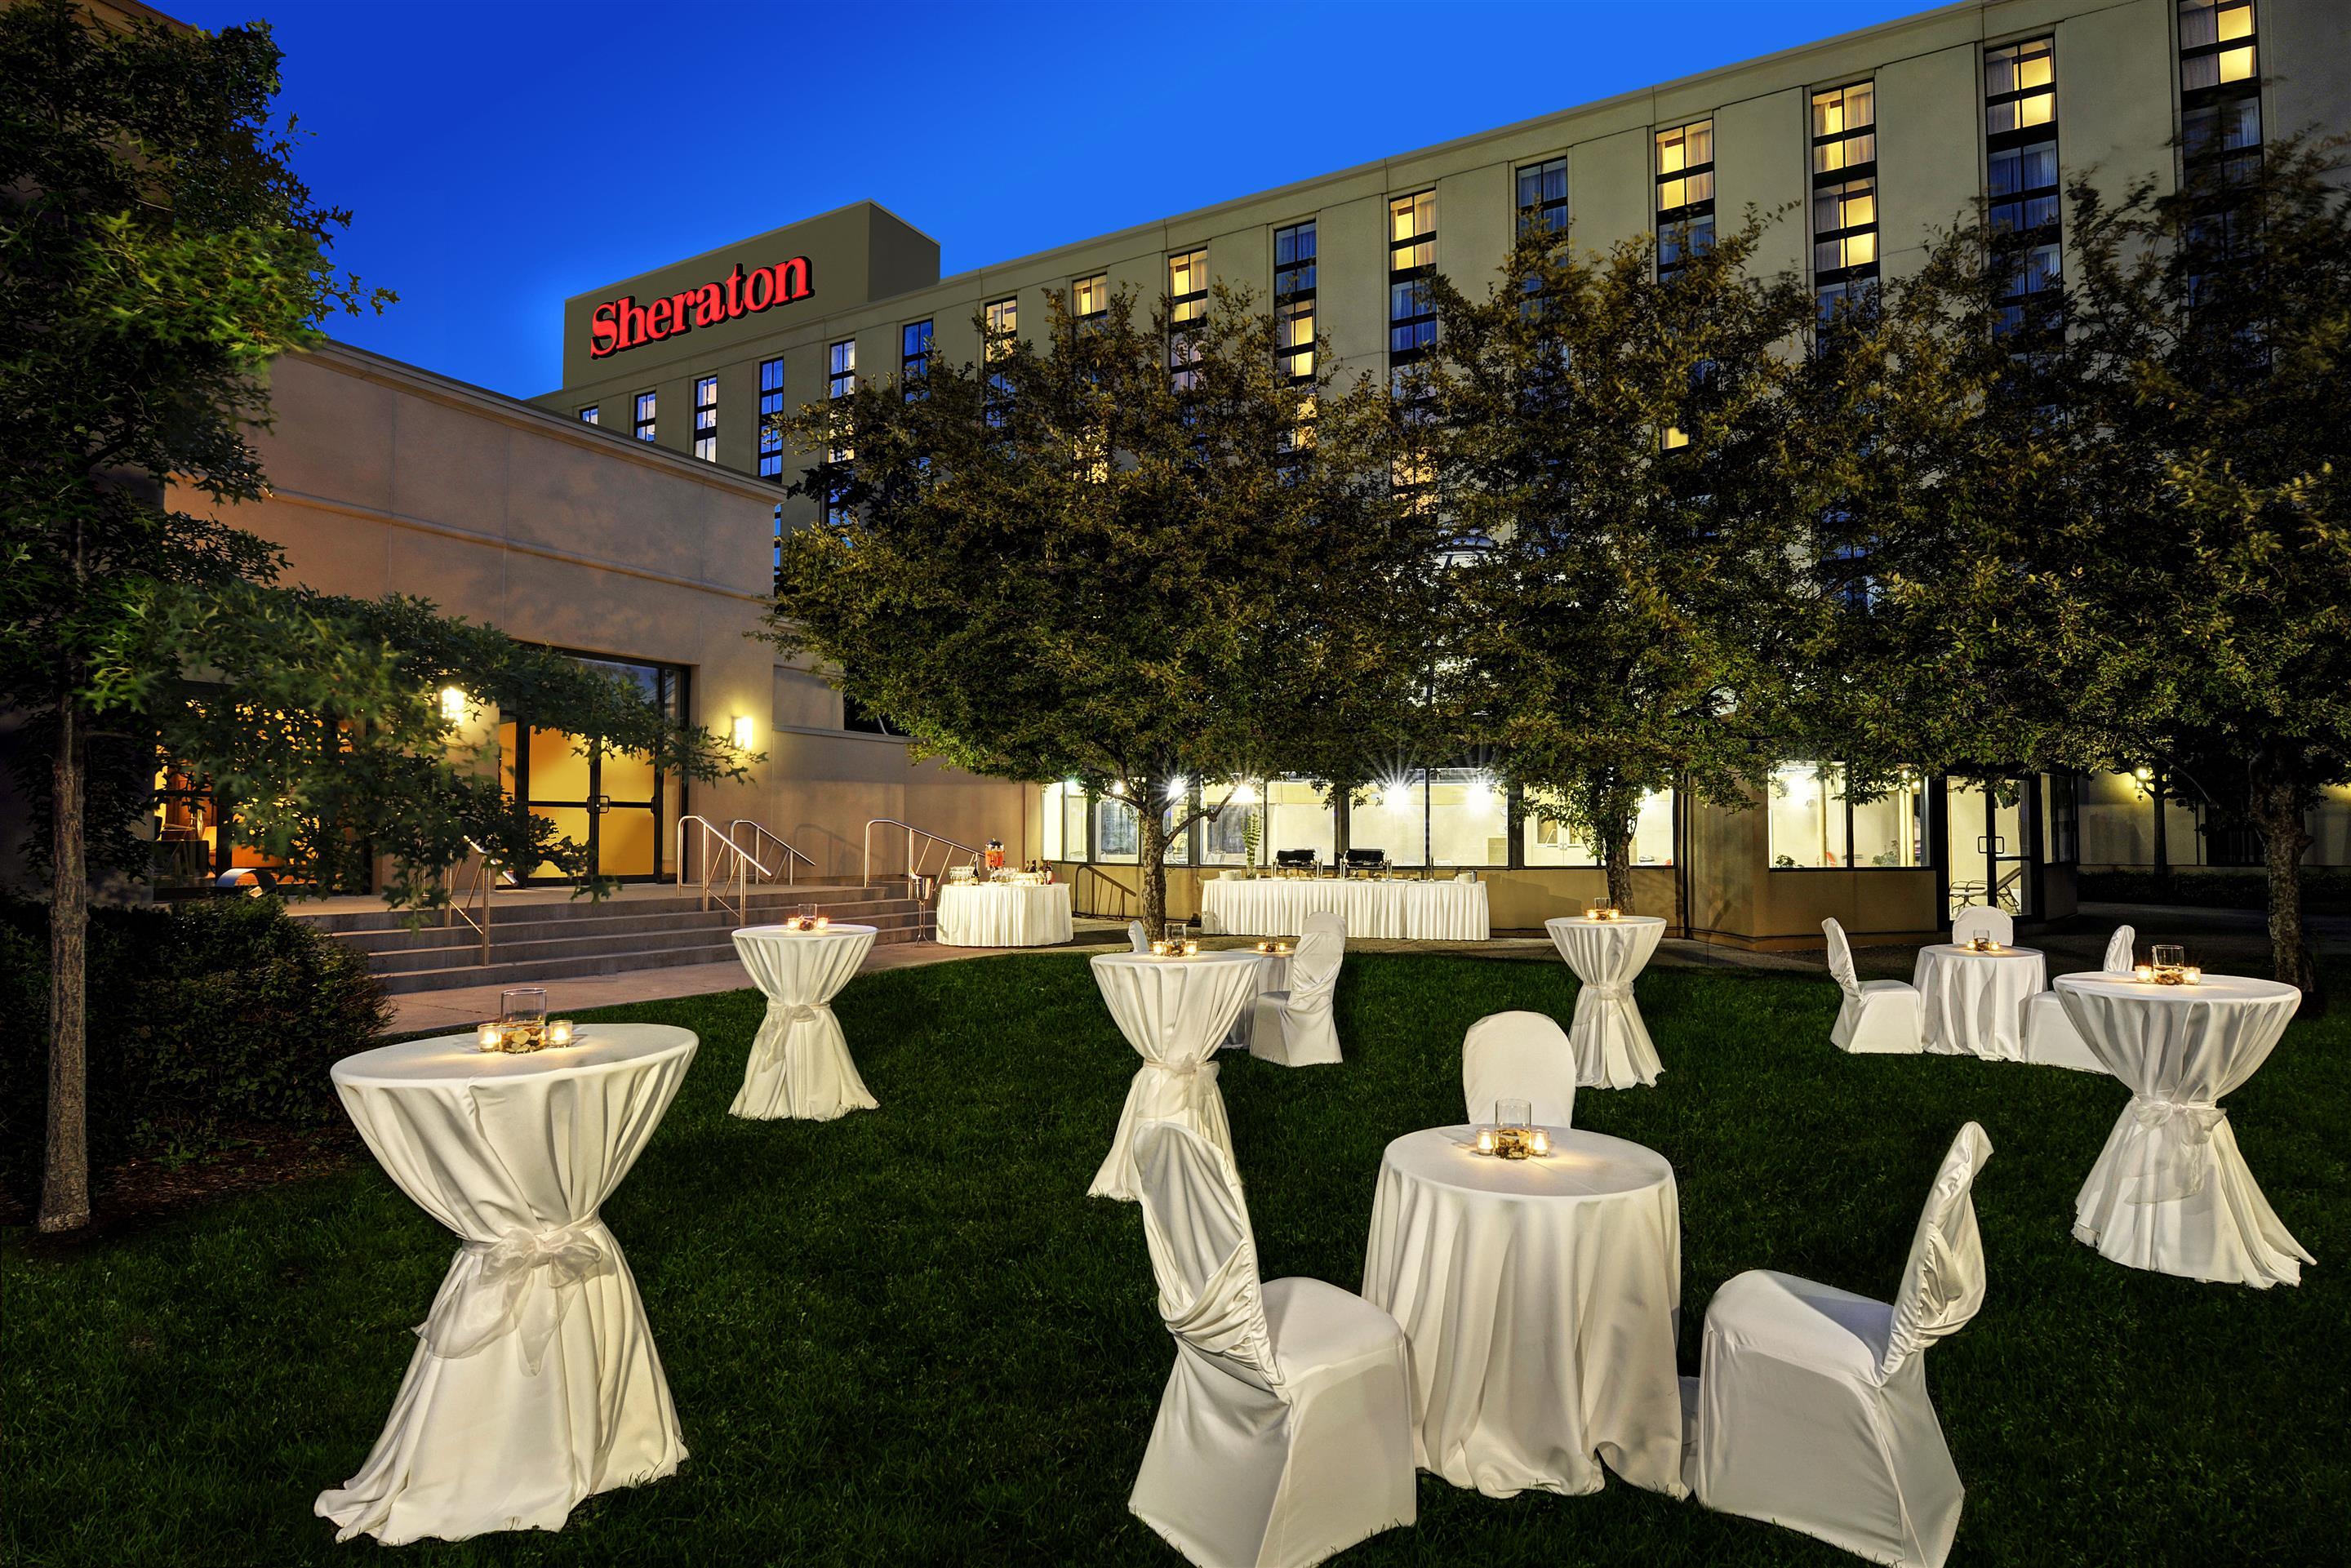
column 1518, row 1056
column 2049, row 1038
column 1293, row 1027
column 1137, row 938
column 1977, row 920
column 1878, row 1015
column 1812, row 1402
column 1285, row 1434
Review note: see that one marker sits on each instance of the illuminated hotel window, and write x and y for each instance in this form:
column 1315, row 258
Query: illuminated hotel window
column 1089, row 299
column 1412, row 262
column 1813, row 825
column 1188, row 302
column 839, row 380
column 1293, row 301
column 1545, row 840
column 587, row 415
column 1685, row 194
column 1000, row 325
column 644, row 421
column 705, row 419
column 1542, row 194
column 914, row 356
column 2220, row 89
column 771, row 409
column 2020, row 161
column 1844, row 194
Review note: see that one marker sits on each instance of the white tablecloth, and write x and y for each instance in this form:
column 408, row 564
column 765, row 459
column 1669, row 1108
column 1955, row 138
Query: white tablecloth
column 2170, row 1192
column 1277, row 906
column 1003, row 914
column 1612, row 1044
column 1541, row 1298
column 799, row 1064
column 1973, row 1003
column 1272, row 975
column 535, row 1382
column 1175, row 1012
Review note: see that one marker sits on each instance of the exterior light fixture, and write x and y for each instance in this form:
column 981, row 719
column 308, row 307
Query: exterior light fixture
column 1118, row 786
column 453, row 706
column 1177, row 786
column 1243, row 795
column 743, row 735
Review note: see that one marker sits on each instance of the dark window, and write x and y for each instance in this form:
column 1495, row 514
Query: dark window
column 913, row 356
column 1542, row 194
column 587, row 415
column 1000, row 324
column 839, row 380
column 705, row 419
column 771, row 409
column 855, row 715
column 644, row 421
column 2021, row 166
column 1685, row 194
column 1844, row 194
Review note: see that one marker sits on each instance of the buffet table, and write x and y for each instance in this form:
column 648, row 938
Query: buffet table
column 1003, row 914
column 1277, row 906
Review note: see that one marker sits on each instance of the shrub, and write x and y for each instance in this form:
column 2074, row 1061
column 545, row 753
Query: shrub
column 202, row 1017
column 2326, row 890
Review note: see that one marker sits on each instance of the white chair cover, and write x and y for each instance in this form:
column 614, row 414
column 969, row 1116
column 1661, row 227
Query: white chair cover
column 1980, row 920
column 1877, row 1015
column 1285, row 1433
column 1137, row 939
column 1612, row 1044
column 1518, row 1056
column 1175, row 1013
column 799, row 1065
column 2049, row 1038
column 1294, row 1026
column 1812, row 1409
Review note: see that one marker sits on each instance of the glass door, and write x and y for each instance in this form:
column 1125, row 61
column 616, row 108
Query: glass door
column 1988, row 843
column 617, row 804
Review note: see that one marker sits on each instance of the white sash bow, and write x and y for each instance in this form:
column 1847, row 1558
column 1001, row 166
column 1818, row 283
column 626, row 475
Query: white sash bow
column 1609, row 991
column 791, row 1015
column 499, row 1298
column 2180, row 1130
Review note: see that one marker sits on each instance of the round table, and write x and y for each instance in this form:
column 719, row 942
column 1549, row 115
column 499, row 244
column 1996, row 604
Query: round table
column 535, row 1382
column 1541, row 1298
column 1973, row 1003
column 1612, row 1044
column 1003, row 914
column 2170, row 1192
column 799, row 1065
column 1175, row 1012
column 1447, row 911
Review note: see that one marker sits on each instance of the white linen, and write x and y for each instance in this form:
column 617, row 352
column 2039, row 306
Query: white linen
column 1272, row 975
column 1812, row 1408
column 1875, row 1015
column 1540, row 1297
column 1973, row 1003
column 1175, row 1012
column 2049, row 1038
column 1982, row 920
column 1138, row 940
column 535, row 1383
column 799, row 1065
column 1293, row 1027
column 2171, row 1193
column 1518, row 1056
column 1285, row 1432
column 1612, row 1044
column 1411, row 910
column 1003, row 914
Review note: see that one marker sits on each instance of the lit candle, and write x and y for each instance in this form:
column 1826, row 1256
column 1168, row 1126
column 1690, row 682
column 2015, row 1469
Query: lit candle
column 559, row 1031
column 1190, row 947
column 488, row 1037
column 822, row 921
column 1542, row 1142
column 1484, row 1140
column 2193, row 975
column 2143, row 973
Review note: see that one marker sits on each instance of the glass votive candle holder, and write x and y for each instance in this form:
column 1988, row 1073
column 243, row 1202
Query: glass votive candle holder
column 559, row 1031
column 1176, row 932
column 1190, row 947
column 1514, row 1116
column 490, row 1036
column 1484, row 1140
column 1538, row 1140
column 2143, row 973
column 522, row 1017
column 2191, row 974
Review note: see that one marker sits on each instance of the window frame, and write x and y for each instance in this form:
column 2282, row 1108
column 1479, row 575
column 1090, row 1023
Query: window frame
column 705, row 418
column 771, row 406
column 1839, row 282
column 1692, row 217
column 646, row 414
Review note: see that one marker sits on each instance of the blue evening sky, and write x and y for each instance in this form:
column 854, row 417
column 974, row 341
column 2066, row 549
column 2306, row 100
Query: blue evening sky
column 500, row 154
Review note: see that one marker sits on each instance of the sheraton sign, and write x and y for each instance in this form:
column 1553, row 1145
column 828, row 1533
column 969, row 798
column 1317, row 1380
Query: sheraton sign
column 622, row 323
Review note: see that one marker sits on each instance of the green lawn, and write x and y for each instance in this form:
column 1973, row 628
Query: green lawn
column 909, row 1335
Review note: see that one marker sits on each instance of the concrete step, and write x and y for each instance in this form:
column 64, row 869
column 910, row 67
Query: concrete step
column 508, row 946
column 519, row 926
column 507, row 908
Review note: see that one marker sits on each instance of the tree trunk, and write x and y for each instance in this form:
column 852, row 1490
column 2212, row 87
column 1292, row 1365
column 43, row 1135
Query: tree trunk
column 1151, row 835
column 65, row 1183
column 2277, row 812
column 1618, row 856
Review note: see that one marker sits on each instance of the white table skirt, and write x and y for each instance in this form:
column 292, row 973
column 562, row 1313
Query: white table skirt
column 1612, row 1050
column 1541, row 1298
column 535, row 1383
column 1412, row 911
column 1175, row 1012
column 1003, row 914
column 799, row 1065
column 2170, row 1191
column 1973, row 1003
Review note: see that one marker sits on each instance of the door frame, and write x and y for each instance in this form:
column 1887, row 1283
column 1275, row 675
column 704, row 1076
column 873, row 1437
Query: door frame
column 677, row 681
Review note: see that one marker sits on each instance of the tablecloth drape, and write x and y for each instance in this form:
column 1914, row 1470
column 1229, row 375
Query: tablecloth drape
column 1412, row 911
column 1612, row 1050
column 1973, row 1003
column 2170, row 1191
column 799, row 1065
column 1175, row 1012
column 535, row 1382
column 1003, row 914
column 1541, row 1299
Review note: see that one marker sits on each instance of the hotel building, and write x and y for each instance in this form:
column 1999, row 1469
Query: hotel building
column 631, row 516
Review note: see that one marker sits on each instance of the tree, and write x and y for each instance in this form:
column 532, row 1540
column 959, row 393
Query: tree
column 1630, row 448
column 1132, row 553
column 156, row 254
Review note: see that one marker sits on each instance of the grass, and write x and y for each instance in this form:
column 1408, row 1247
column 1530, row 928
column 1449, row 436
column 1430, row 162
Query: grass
column 909, row 1336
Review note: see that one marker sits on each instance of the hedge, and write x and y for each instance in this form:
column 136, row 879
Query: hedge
column 2326, row 890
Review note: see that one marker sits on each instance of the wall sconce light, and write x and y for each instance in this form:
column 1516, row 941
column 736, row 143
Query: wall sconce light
column 743, row 735
column 453, row 706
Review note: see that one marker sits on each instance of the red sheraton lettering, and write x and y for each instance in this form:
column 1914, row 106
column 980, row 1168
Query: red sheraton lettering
column 622, row 323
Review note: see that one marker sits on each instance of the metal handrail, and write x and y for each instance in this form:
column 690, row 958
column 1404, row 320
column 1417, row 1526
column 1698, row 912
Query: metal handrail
column 454, row 910
column 1128, row 897
column 792, row 855
column 914, row 867
column 739, row 858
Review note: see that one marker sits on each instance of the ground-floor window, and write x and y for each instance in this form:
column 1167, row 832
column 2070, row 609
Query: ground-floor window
column 621, row 806
column 1549, row 842
column 195, row 839
column 1814, row 823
